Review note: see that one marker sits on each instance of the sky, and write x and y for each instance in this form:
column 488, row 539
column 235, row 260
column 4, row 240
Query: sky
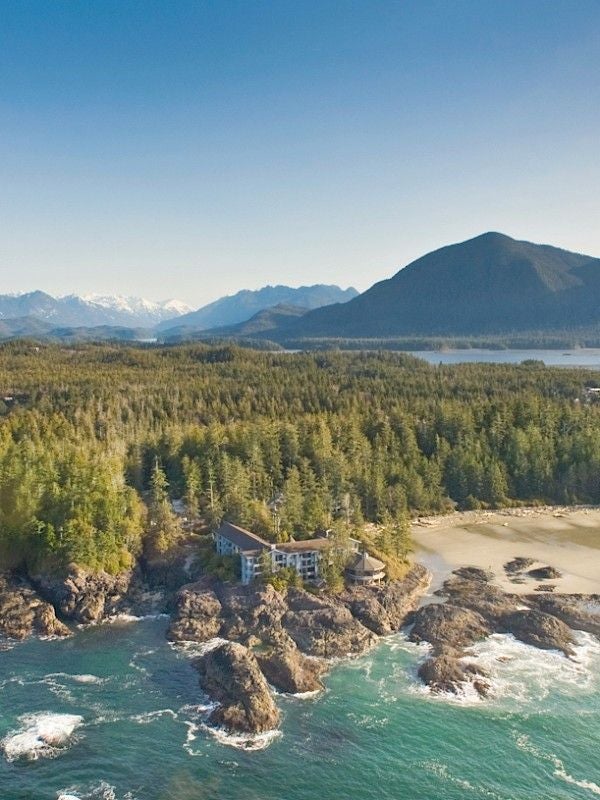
column 191, row 149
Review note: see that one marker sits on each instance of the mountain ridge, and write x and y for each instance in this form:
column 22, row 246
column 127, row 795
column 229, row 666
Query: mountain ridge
column 241, row 306
column 488, row 284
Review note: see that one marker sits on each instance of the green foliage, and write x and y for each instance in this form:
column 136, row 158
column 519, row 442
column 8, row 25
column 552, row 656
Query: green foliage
column 164, row 528
column 279, row 443
column 283, row 579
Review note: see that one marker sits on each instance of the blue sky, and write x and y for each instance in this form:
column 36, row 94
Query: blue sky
column 189, row 149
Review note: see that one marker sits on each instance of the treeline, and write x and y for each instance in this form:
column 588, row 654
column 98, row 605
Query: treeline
column 94, row 438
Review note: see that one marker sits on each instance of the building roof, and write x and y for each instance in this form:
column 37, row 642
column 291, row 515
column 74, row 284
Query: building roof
column 303, row 546
column 365, row 564
column 240, row 537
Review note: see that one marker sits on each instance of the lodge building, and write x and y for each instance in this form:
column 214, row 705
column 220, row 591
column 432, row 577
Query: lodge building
column 304, row 556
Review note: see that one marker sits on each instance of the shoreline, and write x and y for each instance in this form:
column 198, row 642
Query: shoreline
column 564, row 537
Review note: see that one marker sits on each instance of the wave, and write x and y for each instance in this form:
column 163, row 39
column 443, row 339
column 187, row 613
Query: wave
column 525, row 744
column 42, row 735
column 125, row 619
column 99, row 791
column 196, row 721
column 516, row 672
column 76, row 677
column 442, row 771
column 524, row 673
column 256, row 741
column 149, row 716
column 197, row 649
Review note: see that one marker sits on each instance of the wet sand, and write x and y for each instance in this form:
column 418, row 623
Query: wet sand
column 568, row 539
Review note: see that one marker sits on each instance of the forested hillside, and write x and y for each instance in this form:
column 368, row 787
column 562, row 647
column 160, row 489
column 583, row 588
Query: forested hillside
column 93, row 435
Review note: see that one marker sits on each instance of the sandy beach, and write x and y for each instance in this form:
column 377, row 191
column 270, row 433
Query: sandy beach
column 565, row 538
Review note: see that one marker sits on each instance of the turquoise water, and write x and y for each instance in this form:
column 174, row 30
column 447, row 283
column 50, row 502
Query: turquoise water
column 375, row 733
column 583, row 357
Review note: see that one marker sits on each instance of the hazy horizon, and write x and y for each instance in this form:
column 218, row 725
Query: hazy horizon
column 187, row 150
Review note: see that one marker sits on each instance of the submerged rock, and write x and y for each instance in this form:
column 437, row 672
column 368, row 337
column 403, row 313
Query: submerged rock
column 230, row 675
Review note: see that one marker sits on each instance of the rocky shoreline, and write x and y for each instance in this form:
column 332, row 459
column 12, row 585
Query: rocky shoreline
column 284, row 640
column 259, row 640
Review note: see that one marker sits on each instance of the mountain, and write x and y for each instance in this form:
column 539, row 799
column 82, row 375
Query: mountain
column 270, row 319
column 240, row 307
column 489, row 284
column 89, row 310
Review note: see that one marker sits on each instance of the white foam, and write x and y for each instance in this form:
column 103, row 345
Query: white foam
column 150, row 716
column 42, row 735
column 525, row 744
column 196, row 649
column 521, row 672
column 257, row 741
column 127, row 619
column 77, row 678
column 101, row 791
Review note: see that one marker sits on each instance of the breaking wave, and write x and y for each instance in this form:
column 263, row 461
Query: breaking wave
column 42, row 735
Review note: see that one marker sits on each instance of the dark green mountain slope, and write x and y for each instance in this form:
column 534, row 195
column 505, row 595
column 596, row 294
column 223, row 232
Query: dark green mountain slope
column 490, row 284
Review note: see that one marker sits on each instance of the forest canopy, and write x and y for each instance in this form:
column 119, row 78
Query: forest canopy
column 94, row 438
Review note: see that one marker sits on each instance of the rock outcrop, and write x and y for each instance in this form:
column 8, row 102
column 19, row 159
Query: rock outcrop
column 197, row 615
column 84, row 596
column 449, row 626
column 288, row 670
column 23, row 612
column 475, row 608
column 540, row 630
column 230, row 675
column 289, row 635
column 578, row 612
column 446, row 673
column 324, row 627
column 544, row 573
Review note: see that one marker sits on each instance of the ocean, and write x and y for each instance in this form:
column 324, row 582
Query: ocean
column 124, row 715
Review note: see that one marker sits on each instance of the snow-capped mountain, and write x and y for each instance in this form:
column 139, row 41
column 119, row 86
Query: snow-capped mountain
column 90, row 310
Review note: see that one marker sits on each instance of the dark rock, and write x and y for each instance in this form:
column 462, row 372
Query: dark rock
column 385, row 608
column 252, row 612
column 446, row 673
column 288, row 670
column 231, row 676
column 544, row 573
column 446, row 625
column 478, row 595
column 23, row 612
column 197, row 615
column 518, row 565
column 474, row 574
column 84, row 596
column 579, row 612
column 323, row 627
column 545, row 587
column 540, row 630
